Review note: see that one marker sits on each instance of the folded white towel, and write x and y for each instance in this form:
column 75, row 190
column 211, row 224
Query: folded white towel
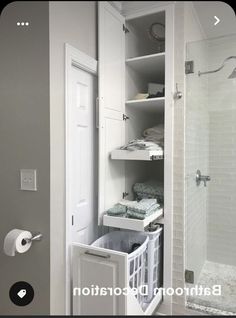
column 141, row 144
column 156, row 130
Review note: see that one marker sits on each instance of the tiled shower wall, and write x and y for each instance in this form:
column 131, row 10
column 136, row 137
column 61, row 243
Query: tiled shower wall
column 196, row 157
column 221, row 225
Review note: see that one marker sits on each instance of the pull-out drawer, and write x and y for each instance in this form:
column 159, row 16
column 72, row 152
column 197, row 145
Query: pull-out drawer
column 106, row 270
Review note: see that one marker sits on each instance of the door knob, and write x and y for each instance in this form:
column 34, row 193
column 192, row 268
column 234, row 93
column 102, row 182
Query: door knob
column 178, row 94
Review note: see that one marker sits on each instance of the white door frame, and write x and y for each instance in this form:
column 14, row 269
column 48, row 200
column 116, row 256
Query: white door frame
column 73, row 58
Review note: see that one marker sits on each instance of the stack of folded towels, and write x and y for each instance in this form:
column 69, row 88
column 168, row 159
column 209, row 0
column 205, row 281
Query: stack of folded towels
column 152, row 139
column 134, row 209
column 117, row 210
column 149, row 189
column 141, row 144
column 149, row 197
column 142, row 209
column 155, row 134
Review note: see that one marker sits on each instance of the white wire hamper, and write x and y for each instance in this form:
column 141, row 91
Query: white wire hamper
column 135, row 244
column 153, row 262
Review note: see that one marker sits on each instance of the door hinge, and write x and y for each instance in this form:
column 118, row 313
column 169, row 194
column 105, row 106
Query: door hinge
column 189, row 67
column 72, row 219
column 125, row 117
column 189, row 276
column 126, row 30
column 125, row 194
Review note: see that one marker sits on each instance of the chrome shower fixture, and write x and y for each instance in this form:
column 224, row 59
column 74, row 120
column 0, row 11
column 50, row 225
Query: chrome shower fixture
column 232, row 75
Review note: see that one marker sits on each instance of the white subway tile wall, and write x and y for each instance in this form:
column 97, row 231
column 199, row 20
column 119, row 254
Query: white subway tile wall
column 221, row 223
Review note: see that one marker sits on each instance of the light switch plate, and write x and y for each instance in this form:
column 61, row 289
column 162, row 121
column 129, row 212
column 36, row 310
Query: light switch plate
column 28, row 179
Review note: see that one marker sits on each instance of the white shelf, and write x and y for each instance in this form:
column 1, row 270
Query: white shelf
column 131, row 224
column 145, row 155
column 151, row 66
column 154, row 105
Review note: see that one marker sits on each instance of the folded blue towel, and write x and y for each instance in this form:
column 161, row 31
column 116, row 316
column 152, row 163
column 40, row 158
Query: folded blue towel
column 117, row 210
column 135, row 209
column 142, row 216
column 159, row 198
column 149, row 189
column 143, row 206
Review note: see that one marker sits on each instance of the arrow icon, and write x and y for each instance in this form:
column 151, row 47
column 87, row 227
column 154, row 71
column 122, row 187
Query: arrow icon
column 217, row 20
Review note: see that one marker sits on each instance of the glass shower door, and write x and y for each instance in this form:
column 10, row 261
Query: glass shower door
column 210, row 173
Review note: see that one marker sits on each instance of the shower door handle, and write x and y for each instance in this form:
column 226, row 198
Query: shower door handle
column 200, row 178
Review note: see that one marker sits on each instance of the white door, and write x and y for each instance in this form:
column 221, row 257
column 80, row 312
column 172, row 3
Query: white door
column 94, row 266
column 111, row 104
column 82, row 155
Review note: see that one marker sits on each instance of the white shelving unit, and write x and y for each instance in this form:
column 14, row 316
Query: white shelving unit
column 152, row 65
column 121, row 79
column 131, row 224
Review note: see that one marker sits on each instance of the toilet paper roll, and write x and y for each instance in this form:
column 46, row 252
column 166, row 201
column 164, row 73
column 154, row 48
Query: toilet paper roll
column 15, row 242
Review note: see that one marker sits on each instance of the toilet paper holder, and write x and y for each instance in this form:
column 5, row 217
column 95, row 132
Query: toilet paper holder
column 35, row 237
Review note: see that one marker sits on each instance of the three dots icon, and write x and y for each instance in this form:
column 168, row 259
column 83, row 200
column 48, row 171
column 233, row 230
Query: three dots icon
column 22, row 23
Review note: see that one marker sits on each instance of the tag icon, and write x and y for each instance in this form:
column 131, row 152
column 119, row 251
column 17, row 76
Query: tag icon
column 22, row 293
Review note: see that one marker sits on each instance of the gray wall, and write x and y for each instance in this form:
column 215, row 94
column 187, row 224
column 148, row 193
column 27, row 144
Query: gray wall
column 24, row 143
column 72, row 22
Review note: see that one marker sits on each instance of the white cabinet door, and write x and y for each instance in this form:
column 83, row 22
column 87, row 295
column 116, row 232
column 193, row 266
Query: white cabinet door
column 93, row 266
column 111, row 87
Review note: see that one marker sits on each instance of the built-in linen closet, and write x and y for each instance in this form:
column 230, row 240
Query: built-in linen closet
column 135, row 94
